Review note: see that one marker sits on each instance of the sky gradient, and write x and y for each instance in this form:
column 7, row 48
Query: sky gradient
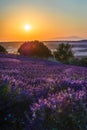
column 50, row 19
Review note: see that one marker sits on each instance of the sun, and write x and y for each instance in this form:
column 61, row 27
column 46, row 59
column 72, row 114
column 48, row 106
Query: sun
column 27, row 27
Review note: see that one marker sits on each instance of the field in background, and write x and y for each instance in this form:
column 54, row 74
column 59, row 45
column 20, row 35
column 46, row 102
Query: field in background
column 79, row 47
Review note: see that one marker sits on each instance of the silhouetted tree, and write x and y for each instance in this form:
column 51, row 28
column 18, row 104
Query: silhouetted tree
column 2, row 49
column 34, row 49
column 64, row 52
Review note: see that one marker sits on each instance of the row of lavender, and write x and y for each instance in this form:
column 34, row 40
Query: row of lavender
column 57, row 93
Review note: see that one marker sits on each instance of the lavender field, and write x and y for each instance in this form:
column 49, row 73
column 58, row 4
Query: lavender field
column 56, row 94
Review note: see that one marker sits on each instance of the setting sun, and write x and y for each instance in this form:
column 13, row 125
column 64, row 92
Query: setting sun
column 27, row 27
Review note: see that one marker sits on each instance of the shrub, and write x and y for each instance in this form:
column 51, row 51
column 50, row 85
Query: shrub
column 2, row 49
column 34, row 49
column 12, row 108
column 63, row 53
column 79, row 62
column 51, row 114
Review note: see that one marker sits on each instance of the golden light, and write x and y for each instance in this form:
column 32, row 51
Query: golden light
column 27, row 27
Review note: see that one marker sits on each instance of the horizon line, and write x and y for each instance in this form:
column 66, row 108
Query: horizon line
column 62, row 40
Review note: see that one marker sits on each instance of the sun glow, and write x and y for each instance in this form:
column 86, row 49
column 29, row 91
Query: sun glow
column 27, row 27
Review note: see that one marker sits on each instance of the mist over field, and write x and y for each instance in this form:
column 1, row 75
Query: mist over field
column 79, row 47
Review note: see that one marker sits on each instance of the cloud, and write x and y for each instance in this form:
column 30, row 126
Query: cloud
column 67, row 38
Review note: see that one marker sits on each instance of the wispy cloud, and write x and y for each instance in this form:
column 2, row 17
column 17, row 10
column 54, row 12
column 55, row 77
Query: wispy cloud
column 67, row 38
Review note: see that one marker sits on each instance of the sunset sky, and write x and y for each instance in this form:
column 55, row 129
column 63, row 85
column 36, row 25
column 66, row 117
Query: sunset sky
column 43, row 19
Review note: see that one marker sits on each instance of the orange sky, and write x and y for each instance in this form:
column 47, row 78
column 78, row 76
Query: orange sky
column 48, row 20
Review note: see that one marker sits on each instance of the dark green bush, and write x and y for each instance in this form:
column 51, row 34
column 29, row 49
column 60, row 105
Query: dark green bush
column 35, row 49
column 79, row 62
column 12, row 108
column 64, row 53
column 2, row 49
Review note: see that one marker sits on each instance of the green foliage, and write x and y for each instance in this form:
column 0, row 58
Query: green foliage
column 4, row 89
column 34, row 49
column 79, row 62
column 67, row 119
column 83, row 62
column 2, row 49
column 12, row 108
column 63, row 53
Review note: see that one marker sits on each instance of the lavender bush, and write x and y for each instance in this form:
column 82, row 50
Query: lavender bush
column 38, row 94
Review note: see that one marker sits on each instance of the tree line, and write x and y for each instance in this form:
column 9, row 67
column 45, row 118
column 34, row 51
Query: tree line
column 38, row 49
